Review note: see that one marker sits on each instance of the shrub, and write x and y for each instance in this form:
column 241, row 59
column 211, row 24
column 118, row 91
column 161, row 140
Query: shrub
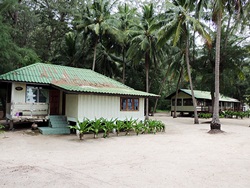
column 138, row 127
column 101, row 124
column 96, row 126
column 247, row 113
column 82, row 128
column 160, row 127
column 150, row 126
column 242, row 114
column 119, row 126
column 205, row 115
column 2, row 129
column 128, row 125
column 108, row 126
column 229, row 114
column 236, row 114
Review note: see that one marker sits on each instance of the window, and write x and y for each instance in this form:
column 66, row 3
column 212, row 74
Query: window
column 179, row 102
column 200, row 103
column 187, row 102
column 208, row 103
column 37, row 95
column 129, row 104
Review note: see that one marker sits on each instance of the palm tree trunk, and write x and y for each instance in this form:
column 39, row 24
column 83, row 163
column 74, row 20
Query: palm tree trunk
column 162, row 85
column 124, row 66
column 147, row 90
column 215, row 123
column 94, row 58
column 196, row 120
column 176, row 93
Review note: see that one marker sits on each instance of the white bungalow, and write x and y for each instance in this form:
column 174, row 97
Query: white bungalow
column 39, row 91
column 203, row 100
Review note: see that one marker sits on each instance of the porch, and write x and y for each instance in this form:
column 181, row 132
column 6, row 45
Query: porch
column 26, row 112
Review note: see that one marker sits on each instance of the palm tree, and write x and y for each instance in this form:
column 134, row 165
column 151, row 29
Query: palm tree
column 125, row 16
column 180, row 21
column 218, row 8
column 96, row 22
column 232, row 62
column 144, row 43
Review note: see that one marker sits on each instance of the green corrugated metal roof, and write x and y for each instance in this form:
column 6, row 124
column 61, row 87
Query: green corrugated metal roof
column 207, row 95
column 113, row 91
column 71, row 79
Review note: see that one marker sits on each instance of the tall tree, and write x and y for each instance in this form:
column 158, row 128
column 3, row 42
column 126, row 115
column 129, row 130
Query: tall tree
column 125, row 16
column 12, row 55
column 181, row 22
column 96, row 21
column 219, row 6
column 144, row 43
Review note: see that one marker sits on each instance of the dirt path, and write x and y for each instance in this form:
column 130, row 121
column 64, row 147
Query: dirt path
column 184, row 156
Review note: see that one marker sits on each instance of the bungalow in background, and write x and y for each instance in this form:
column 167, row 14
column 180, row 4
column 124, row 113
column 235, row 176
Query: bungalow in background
column 204, row 102
column 63, row 94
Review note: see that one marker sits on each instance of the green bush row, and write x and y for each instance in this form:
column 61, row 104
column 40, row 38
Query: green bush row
column 117, row 126
column 227, row 114
column 205, row 115
column 235, row 114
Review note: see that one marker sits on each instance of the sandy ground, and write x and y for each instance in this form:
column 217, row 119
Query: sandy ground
column 185, row 156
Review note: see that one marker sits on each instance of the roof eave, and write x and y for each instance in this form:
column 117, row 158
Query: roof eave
column 102, row 93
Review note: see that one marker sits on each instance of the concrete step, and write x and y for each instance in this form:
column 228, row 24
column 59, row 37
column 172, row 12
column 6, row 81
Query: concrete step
column 58, row 124
column 57, row 117
column 58, row 121
column 54, row 131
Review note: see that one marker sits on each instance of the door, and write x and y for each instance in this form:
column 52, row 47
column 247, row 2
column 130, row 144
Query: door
column 54, row 101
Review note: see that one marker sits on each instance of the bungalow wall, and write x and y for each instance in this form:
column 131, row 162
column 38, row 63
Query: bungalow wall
column 185, row 104
column 18, row 96
column 78, row 106
column 71, row 110
column 180, row 107
column 96, row 106
column 17, row 107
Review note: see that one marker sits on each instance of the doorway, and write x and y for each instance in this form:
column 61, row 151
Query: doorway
column 54, row 101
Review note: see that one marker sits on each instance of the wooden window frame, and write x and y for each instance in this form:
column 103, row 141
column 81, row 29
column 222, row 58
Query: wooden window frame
column 127, row 106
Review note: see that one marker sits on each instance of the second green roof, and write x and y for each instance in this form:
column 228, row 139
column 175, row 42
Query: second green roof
column 204, row 95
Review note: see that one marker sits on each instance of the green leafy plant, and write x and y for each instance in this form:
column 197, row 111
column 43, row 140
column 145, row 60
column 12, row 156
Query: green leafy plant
column 241, row 114
column 82, row 128
column 229, row 114
column 160, row 127
column 205, row 115
column 247, row 113
column 96, row 126
column 108, row 126
column 151, row 124
column 119, row 126
column 138, row 127
column 2, row 129
column 236, row 114
column 101, row 124
column 222, row 115
column 128, row 125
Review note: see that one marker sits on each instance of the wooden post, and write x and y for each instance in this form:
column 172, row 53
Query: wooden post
column 11, row 125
